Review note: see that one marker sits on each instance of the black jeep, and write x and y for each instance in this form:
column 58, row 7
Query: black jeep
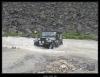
column 49, row 40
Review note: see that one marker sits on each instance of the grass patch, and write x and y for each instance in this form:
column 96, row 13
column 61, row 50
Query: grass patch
column 21, row 34
column 73, row 35
column 13, row 34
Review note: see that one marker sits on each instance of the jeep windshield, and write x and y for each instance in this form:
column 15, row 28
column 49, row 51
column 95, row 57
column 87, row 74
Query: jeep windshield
column 48, row 34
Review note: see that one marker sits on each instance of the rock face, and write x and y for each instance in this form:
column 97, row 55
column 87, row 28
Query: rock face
column 26, row 17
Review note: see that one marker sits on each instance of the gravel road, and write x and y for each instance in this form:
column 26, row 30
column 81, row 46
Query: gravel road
column 19, row 55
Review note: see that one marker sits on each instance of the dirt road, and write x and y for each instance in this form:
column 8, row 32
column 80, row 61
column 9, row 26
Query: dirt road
column 19, row 55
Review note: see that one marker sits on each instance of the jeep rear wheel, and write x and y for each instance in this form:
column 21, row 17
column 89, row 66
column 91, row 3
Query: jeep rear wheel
column 57, row 45
column 36, row 43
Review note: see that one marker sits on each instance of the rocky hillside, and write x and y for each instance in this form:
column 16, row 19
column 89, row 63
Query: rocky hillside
column 25, row 17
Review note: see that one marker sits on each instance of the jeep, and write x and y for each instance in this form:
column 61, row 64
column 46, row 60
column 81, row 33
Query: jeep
column 49, row 40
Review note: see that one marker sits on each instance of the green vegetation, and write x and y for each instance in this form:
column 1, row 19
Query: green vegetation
column 22, row 34
column 36, row 34
column 66, row 35
column 13, row 34
column 73, row 35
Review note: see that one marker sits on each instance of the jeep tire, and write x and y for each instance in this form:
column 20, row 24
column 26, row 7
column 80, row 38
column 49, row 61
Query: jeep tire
column 51, row 46
column 36, row 43
column 57, row 45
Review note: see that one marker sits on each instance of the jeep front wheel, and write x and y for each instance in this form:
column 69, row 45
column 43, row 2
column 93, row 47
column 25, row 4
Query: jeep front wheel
column 51, row 46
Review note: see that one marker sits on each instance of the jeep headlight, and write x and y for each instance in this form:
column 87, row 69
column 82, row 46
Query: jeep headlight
column 38, row 38
column 47, row 39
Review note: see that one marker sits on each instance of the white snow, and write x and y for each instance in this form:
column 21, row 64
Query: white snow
column 24, row 43
column 25, row 47
column 86, row 47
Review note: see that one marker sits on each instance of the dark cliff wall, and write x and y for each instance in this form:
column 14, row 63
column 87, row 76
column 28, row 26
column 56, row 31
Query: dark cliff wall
column 26, row 17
